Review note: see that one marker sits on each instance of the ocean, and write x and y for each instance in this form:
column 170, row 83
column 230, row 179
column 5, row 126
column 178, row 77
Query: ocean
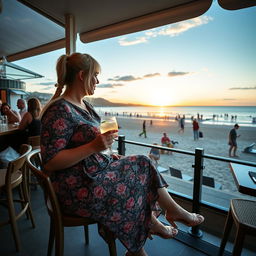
column 221, row 115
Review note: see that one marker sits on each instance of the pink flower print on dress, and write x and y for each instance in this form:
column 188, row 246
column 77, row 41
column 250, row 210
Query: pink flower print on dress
column 67, row 108
column 59, row 124
column 79, row 136
column 83, row 213
column 142, row 179
column 130, row 203
column 120, row 189
column 116, row 216
column 60, row 143
column 99, row 192
column 111, row 175
column 139, row 201
column 92, row 169
column 82, row 193
column 71, row 181
column 128, row 227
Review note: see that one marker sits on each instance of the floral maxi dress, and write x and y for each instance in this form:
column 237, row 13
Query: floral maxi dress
column 119, row 194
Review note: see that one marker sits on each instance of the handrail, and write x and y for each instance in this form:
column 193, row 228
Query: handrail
column 198, row 170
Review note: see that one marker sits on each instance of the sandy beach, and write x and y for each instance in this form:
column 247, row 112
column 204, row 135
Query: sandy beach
column 215, row 142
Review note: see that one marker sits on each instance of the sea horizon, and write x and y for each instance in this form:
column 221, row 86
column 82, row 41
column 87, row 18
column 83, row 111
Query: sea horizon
column 222, row 115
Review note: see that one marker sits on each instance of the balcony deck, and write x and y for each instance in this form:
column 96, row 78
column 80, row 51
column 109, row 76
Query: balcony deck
column 34, row 241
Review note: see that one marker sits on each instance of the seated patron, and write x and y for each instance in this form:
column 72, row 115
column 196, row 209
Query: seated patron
column 154, row 154
column 31, row 122
column 166, row 142
column 12, row 115
column 21, row 105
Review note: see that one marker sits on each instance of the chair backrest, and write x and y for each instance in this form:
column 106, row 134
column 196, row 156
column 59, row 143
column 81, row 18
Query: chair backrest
column 34, row 141
column 17, row 164
column 208, row 181
column 175, row 172
column 35, row 164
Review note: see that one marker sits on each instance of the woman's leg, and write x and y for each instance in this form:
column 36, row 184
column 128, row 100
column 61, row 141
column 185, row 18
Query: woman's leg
column 174, row 212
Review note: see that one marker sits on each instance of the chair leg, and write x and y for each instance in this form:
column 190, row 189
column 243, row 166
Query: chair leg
column 86, row 234
column 238, row 243
column 59, row 241
column 51, row 238
column 227, row 229
column 27, row 200
column 12, row 217
column 112, row 247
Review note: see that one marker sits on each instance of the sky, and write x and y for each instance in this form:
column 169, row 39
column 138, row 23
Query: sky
column 206, row 61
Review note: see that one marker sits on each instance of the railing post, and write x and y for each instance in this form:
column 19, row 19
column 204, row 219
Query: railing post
column 197, row 188
column 121, row 145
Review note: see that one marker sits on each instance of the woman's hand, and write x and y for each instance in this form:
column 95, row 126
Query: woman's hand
column 104, row 141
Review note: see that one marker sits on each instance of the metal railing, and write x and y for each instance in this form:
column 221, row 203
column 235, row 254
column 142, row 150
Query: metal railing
column 198, row 166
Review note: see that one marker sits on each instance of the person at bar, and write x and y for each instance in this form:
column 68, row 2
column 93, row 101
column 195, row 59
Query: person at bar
column 31, row 122
column 21, row 105
column 12, row 115
column 122, row 193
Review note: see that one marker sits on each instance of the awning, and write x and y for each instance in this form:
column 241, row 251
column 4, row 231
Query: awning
column 18, row 92
column 32, row 27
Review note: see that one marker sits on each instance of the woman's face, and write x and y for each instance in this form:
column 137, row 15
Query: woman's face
column 93, row 84
column 5, row 109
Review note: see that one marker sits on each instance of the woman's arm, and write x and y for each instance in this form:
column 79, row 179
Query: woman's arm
column 14, row 116
column 25, row 121
column 69, row 157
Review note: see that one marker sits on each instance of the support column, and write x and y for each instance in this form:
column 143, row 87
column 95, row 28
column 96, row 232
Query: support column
column 70, row 33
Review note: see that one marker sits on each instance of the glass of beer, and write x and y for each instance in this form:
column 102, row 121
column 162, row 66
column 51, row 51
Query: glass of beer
column 109, row 124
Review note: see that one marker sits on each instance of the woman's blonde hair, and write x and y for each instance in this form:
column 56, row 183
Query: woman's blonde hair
column 34, row 107
column 68, row 66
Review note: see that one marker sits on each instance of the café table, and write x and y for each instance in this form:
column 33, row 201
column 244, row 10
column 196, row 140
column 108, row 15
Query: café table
column 242, row 178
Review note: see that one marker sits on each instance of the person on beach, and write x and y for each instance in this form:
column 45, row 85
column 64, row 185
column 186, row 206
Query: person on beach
column 166, row 142
column 195, row 125
column 144, row 131
column 232, row 141
column 182, row 124
column 154, row 154
column 91, row 184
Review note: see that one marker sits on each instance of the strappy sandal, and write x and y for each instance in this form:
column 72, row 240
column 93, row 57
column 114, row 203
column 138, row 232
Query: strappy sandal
column 196, row 220
column 170, row 232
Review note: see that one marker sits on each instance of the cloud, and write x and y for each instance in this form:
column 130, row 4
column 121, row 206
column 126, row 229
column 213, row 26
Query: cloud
column 169, row 30
column 127, row 78
column 152, row 75
column 138, row 40
column 227, row 99
column 108, row 85
column 243, row 88
column 180, row 27
column 174, row 73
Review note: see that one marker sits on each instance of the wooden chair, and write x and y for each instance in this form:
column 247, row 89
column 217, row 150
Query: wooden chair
column 15, row 176
column 59, row 220
column 242, row 213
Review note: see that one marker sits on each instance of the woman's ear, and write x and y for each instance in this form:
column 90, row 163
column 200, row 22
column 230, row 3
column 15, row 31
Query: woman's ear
column 81, row 75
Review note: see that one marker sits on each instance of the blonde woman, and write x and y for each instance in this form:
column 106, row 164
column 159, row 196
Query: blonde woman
column 121, row 193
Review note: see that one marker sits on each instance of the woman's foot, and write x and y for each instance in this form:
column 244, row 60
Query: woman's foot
column 161, row 230
column 141, row 252
column 189, row 219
